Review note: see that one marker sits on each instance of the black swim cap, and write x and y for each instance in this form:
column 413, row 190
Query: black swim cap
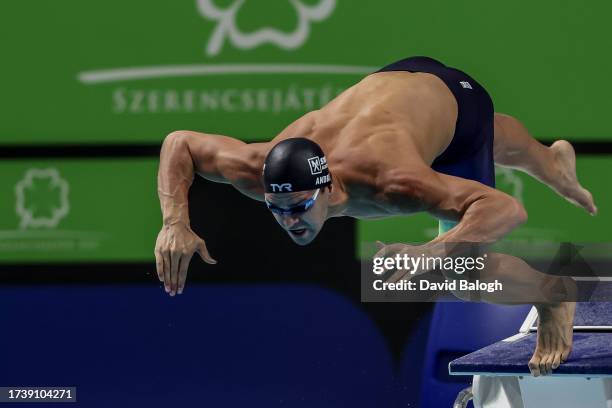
column 296, row 164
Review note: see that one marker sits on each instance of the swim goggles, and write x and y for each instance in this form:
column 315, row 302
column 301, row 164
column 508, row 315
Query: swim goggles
column 297, row 209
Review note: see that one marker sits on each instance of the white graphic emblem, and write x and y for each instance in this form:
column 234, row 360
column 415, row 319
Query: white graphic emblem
column 466, row 84
column 32, row 192
column 317, row 164
column 227, row 27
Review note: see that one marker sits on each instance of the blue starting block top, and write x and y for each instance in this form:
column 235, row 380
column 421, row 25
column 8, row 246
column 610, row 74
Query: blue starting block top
column 591, row 354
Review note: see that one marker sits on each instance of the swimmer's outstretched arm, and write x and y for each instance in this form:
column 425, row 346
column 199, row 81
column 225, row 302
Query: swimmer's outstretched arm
column 218, row 158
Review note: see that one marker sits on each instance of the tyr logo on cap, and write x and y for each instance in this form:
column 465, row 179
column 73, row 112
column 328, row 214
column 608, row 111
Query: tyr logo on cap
column 317, row 164
column 281, row 187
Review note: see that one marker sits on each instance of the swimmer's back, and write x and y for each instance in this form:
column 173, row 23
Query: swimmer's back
column 388, row 117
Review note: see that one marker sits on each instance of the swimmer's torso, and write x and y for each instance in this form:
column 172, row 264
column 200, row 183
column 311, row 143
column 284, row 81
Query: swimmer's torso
column 388, row 121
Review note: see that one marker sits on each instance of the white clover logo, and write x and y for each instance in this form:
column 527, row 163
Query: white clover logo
column 42, row 198
column 227, row 27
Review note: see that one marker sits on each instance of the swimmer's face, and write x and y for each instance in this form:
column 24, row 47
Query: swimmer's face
column 301, row 226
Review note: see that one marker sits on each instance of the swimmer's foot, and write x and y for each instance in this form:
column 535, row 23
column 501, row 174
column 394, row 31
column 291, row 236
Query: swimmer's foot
column 566, row 183
column 554, row 341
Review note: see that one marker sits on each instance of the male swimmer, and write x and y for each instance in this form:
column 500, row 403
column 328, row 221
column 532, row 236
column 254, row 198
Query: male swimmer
column 415, row 136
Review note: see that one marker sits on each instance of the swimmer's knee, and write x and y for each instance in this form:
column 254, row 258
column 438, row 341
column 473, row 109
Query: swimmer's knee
column 506, row 124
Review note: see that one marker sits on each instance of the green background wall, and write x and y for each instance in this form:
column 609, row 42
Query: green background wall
column 544, row 61
column 111, row 210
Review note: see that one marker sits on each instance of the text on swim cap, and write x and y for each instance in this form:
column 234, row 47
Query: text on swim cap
column 281, row 187
column 317, row 164
column 323, row 179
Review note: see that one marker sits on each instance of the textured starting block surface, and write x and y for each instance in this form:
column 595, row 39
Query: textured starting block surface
column 591, row 356
column 501, row 374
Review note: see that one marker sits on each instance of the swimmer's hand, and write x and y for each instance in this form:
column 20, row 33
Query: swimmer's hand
column 402, row 251
column 176, row 244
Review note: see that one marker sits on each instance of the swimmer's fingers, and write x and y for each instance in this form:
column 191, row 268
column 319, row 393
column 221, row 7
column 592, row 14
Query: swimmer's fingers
column 391, row 250
column 182, row 275
column 166, row 274
column 160, row 258
column 203, row 251
column 175, row 260
column 383, row 250
column 397, row 276
column 159, row 265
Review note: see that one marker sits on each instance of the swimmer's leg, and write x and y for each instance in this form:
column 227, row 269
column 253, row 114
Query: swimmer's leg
column 553, row 296
column 554, row 166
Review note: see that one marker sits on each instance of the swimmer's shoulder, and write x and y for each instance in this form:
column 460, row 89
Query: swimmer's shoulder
column 301, row 127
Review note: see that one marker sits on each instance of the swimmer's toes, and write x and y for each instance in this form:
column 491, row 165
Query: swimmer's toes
column 546, row 364
column 568, row 185
column 535, row 364
column 590, row 207
column 584, row 199
column 556, row 361
column 565, row 354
